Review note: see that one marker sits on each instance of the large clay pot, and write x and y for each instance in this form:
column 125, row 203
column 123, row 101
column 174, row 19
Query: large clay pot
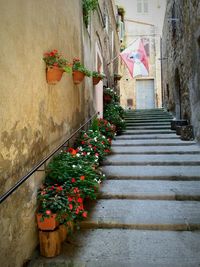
column 47, row 223
column 54, row 74
column 50, row 244
column 78, row 76
column 96, row 80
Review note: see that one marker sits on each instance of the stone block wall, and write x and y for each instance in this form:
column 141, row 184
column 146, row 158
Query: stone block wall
column 181, row 61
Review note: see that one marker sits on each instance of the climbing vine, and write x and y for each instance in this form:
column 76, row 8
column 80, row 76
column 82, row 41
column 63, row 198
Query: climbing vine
column 88, row 7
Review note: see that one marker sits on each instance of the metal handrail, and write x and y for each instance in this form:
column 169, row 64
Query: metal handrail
column 42, row 162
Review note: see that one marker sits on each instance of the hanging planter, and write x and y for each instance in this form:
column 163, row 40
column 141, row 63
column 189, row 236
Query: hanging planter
column 47, row 223
column 96, row 80
column 78, row 76
column 117, row 77
column 107, row 98
column 55, row 66
column 54, row 74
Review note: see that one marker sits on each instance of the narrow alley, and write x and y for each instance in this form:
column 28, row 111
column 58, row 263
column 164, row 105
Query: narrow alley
column 100, row 133
column 148, row 213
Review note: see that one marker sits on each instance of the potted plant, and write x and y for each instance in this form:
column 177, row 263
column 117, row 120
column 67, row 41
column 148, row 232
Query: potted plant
column 79, row 71
column 55, row 66
column 117, row 77
column 97, row 77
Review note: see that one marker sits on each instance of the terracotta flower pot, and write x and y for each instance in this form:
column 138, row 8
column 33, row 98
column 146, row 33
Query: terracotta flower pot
column 50, row 244
column 107, row 98
column 47, row 223
column 54, row 74
column 96, row 80
column 78, row 76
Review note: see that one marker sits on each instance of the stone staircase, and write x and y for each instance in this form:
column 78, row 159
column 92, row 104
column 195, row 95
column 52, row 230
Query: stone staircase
column 148, row 212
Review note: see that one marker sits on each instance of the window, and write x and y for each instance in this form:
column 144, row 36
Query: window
column 142, row 6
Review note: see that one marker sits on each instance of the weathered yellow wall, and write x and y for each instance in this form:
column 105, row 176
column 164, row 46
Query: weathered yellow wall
column 35, row 117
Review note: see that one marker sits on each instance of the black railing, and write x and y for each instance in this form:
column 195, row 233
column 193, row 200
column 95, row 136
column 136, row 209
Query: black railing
column 42, row 162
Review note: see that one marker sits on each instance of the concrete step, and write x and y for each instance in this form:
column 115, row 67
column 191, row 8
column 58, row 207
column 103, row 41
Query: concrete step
column 127, row 248
column 148, row 117
column 130, row 136
column 156, row 150
column 155, row 215
column 156, row 142
column 153, row 160
column 147, row 131
column 180, row 173
column 154, row 190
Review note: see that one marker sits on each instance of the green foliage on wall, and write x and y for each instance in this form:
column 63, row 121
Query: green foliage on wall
column 88, row 7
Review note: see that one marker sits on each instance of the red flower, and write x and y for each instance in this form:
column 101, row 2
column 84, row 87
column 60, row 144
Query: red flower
column 70, row 206
column 48, row 212
column 84, row 214
column 70, row 199
column 76, row 190
column 97, row 154
column 59, row 188
column 77, row 211
column 84, row 153
column 95, row 148
column 73, row 180
column 103, row 142
column 72, row 151
column 80, row 200
column 83, row 142
column 82, row 178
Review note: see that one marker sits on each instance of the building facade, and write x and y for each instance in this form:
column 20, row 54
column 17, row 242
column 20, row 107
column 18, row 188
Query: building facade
column 181, row 61
column 37, row 117
column 143, row 20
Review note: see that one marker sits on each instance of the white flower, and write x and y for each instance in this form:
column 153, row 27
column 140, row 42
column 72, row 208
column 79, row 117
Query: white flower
column 73, row 166
column 78, row 155
column 80, row 148
column 88, row 153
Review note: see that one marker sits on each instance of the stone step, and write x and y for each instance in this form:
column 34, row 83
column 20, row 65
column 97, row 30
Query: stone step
column 180, row 173
column 145, row 215
column 153, row 160
column 148, row 117
column 147, row 131
column 148, row 127
column 126, row 136
column 156, row 142
column 127, row 248
column 136, row 124
column 154, row 190
column 156, row 150
column 148, row 120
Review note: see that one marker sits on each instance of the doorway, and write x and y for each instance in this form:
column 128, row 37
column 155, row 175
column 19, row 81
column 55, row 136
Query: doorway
column 145, row 96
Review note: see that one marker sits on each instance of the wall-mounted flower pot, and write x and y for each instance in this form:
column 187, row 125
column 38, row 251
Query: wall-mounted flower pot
column 78, row 76
column 96, row 80
column 47, row 223
column 54, row 74
column 107, row 98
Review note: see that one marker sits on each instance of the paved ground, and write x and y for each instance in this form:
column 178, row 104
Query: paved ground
column 148, row 212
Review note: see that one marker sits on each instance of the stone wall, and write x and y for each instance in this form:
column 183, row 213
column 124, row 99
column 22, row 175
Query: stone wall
column 37, row 117
column 181, row 61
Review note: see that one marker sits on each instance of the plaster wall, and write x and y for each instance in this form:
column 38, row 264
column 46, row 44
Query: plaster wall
column 35, row 117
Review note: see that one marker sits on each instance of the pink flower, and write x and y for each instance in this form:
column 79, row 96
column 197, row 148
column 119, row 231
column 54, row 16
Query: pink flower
column 48, row 212
column 84, row 214
column 73, row 180
column 70, row 206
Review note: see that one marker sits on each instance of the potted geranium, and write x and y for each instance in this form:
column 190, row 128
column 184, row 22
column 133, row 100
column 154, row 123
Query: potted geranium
column 79, row 71
column 55, row 66
column 97, row 77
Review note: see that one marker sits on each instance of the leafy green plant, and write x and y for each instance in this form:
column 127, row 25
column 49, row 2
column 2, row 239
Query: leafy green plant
column 112, row 93
column 88, row 7
column 106, row 128
column 80, row 67
column 54, row 59
column 114, row 113
column 98, row 74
